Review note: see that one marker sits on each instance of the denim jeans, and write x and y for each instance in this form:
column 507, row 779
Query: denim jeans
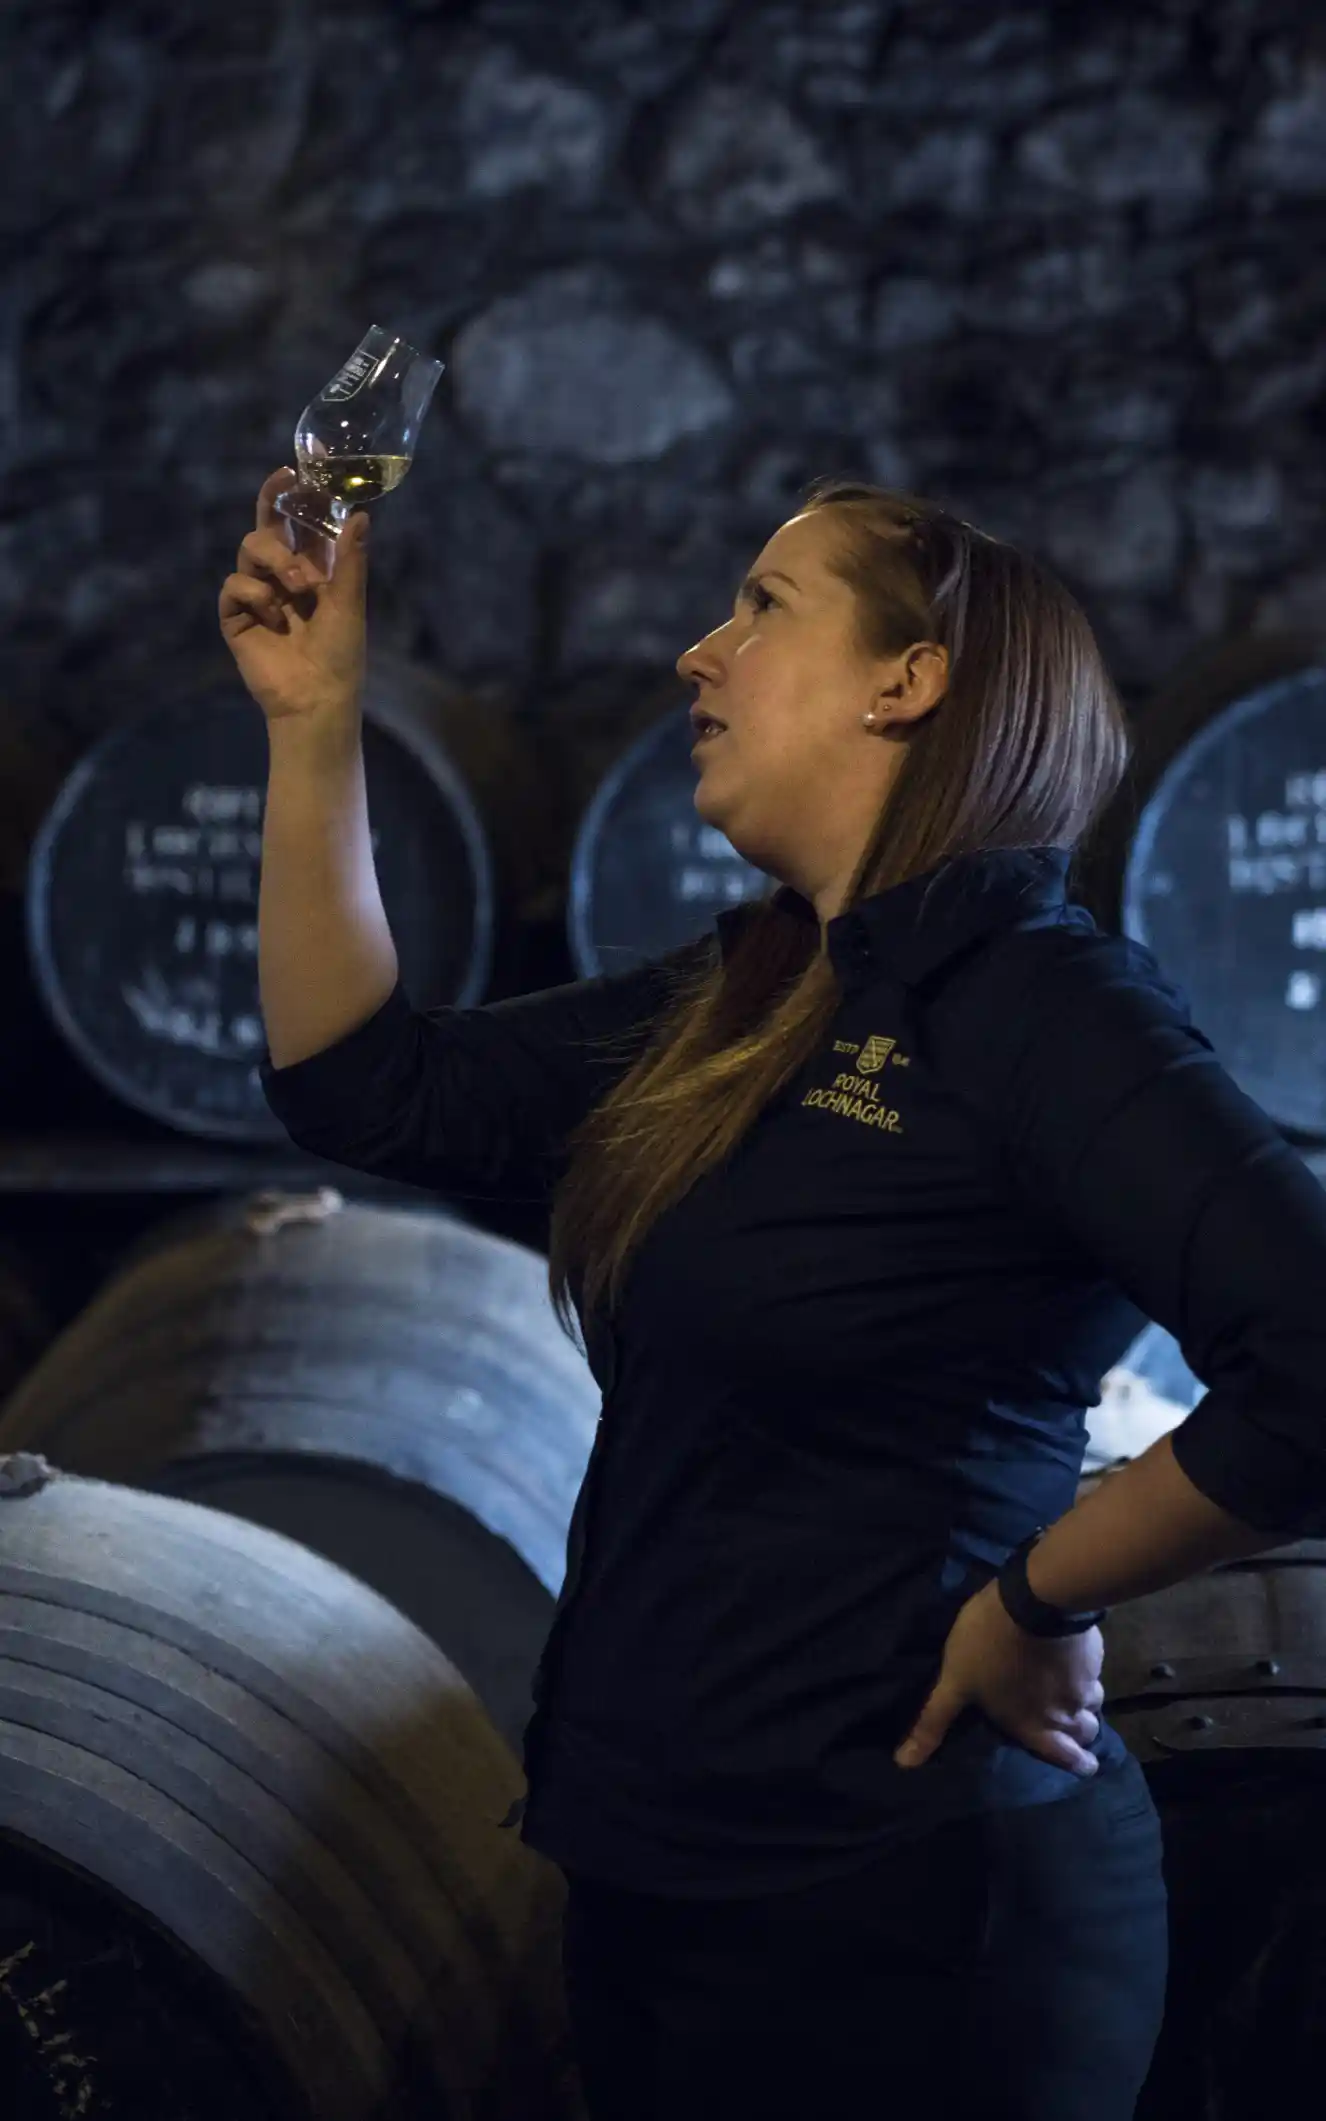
column 1010, row 1966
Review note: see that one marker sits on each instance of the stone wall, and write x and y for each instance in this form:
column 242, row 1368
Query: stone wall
column 1060, row 268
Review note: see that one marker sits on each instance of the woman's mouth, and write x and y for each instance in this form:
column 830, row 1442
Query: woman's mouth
column 708, row 730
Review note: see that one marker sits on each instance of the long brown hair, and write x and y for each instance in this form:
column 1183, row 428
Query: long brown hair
column 1026, row 748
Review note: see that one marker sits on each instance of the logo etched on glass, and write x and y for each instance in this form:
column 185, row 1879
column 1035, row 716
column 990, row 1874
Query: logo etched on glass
column 352, row 377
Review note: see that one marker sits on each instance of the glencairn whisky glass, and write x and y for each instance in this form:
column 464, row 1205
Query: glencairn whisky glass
column 356, row 439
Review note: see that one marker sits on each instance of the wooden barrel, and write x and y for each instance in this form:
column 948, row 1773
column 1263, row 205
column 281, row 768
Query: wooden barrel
column 1218, row 1686
column 647, row 873
column 250, row 1859
column 1234, row 1656
column 389, row 1386
column 1214, row 856
column 143, row 890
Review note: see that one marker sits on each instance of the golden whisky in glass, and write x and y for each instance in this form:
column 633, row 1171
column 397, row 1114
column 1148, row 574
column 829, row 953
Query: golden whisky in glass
column 355, row 441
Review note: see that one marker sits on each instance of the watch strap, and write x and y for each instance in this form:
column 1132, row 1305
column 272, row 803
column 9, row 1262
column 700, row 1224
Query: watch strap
column 1036, row 1615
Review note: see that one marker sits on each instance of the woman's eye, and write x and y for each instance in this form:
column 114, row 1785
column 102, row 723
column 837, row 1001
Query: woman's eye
column 760, row 596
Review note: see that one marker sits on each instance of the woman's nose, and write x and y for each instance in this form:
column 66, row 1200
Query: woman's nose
column 700, row 657
column 688, row 666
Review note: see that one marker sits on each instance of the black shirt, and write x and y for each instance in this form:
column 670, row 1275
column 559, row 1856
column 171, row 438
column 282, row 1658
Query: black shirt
column 852, row 1365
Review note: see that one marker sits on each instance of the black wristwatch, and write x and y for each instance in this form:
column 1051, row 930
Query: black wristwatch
column 1035, row 1614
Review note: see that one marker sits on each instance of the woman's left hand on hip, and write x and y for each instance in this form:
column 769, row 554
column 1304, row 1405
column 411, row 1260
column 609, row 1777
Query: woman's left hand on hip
column 1044, row 1693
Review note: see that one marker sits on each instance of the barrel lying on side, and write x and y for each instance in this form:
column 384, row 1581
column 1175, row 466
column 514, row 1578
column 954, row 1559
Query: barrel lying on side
column 250, row 1858
column 387, row 1385
column 143, row 888
column 1213, row 855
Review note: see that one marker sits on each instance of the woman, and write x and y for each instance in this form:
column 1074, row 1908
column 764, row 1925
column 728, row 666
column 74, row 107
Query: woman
column 856, row 1199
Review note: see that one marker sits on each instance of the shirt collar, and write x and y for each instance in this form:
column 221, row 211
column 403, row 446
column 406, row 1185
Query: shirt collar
column 893, row 933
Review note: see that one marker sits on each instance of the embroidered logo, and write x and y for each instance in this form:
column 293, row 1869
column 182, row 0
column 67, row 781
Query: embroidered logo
column 853, row 1095
column 873, row 1055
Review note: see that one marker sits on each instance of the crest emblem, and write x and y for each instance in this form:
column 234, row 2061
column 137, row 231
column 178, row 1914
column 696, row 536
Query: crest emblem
column 873, row 1055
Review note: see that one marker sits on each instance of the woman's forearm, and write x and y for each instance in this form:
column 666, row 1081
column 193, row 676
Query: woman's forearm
column 326, row 959
column 1142, row 1529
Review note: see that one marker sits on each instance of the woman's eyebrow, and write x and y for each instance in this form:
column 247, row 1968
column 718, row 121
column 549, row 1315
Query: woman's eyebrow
column 775, row 573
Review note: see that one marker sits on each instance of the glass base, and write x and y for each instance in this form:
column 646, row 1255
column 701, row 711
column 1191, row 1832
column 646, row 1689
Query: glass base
column 312, row 508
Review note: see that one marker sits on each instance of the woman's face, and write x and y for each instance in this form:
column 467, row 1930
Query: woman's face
column 796, row 781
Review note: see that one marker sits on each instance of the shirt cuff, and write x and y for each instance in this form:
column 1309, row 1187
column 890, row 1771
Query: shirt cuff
column 1269, row 1481
column 318, row 1089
